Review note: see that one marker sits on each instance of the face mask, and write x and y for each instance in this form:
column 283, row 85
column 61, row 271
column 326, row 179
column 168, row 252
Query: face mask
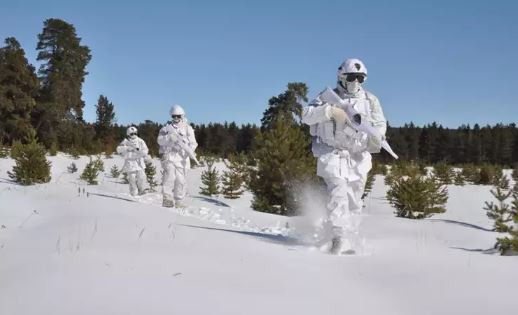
column 176, row 119
column 352, row 87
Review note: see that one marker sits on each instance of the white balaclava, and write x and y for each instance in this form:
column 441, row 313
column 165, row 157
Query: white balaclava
column 351, row 74
column 131, row 132
column 177, row 114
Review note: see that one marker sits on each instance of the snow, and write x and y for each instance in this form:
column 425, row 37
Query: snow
column 63, row 251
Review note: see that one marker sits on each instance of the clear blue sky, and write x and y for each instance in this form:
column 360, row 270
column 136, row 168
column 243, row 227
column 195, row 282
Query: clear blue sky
column 451, row 61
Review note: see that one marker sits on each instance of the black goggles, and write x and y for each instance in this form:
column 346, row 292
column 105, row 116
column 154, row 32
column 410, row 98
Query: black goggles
column 355, row 76
column 176, row 116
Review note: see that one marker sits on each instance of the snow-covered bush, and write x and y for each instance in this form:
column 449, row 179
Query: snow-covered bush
column 444, row 173
column 210, row 179
column 458, row 178
column 72, row 168
column 31, row 164
column 90, row 173
column 470, row 173
column 417, row 196
column 404, row 168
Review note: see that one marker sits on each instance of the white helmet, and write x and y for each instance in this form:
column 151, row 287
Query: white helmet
column 176, row 110
column 351, row 74
column 131, row 131
column 352, row 66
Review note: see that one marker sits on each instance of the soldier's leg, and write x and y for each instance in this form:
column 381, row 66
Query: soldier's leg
column 180, row 188
column 141, row 180
column 132, row 179
column 168, row 179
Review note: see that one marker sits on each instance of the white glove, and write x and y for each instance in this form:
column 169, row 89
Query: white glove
column 338, row 115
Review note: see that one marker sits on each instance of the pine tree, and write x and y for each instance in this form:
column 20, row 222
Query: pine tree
column 18, row 88
column 62, row 72
column 283, row 161
column 115, row 172
column 210, row 179
column 444, row 173
column 150, row 171
column 458, row 178
column 500, row 212
column 471, row 173
column 99, row 164
column 104, row 123
column 233, row 179
column 72, row 168
column 31, row 166
column 90, row 173
column 286, row 105
column 417, row 197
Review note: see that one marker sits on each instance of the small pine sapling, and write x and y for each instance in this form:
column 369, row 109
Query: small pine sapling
column 210, row 179
column 417, row 196
column 150, row 171
column 115, row 172
column 90, row 173
column 72, row 168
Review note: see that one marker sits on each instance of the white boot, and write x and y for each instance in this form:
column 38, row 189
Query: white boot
column 341, row 246
column 168, row 203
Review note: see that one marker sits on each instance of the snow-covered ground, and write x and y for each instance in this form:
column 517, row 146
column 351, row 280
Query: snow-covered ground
column 66, row 250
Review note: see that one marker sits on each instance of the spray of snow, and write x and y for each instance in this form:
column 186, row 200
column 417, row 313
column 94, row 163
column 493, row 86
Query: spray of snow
column 311, row 226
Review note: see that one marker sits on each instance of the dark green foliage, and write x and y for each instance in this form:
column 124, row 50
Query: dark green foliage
column 90, row 173
column 403, row 168
column 72, row 168
column 378, row 168
column 104, row 124
column 4, row 151
column 59, row 112
column 18, row 88
column 368, row 184
column 99, row 164
column 471, row 173
column 417, row 197
column 444, row 173
column 150, row 171
column 233, row 179
column 504, row 213
column 210, row 179
column 115, row 172
column 458, row 178
column 31, row 166
column 286, row 106
column 488, row 174
column 500, row 212
column 283, row 162
column 514, row 173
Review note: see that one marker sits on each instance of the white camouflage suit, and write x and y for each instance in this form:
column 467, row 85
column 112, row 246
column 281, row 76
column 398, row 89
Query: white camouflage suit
column 344, row 157
column 134, row 152
column 175, row 161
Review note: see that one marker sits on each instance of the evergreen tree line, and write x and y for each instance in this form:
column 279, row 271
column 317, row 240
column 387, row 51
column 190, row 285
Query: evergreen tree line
column 433, row 143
